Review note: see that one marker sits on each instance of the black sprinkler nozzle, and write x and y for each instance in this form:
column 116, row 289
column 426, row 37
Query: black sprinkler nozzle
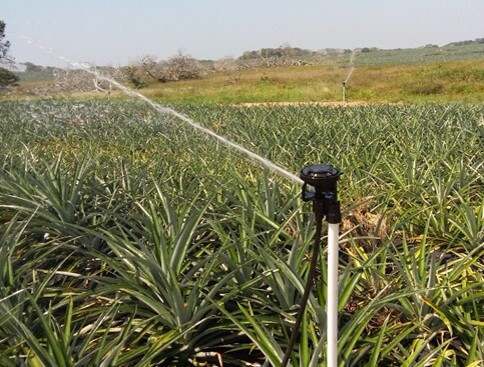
column 323, row 177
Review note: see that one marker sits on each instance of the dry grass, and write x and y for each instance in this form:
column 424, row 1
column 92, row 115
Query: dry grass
column 456, row 81
column 443, row 82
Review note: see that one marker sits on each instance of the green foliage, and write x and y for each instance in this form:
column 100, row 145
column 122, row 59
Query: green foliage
column 7, row 78
column 4, row 44
column 30, row 67
column 282, row 51
column 129, row 239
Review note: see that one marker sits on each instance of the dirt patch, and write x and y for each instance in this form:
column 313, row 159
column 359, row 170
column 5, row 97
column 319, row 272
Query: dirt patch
column 362, row 222
column 321, row 103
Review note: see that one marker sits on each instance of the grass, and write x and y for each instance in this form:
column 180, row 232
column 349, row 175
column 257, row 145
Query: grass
column 129, row 239
column 443, row 81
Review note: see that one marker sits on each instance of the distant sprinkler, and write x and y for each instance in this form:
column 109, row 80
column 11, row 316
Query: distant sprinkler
column 352, row 68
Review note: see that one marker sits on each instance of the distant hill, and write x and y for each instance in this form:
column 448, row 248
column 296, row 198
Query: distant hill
column 464, row 50
column 368, row 56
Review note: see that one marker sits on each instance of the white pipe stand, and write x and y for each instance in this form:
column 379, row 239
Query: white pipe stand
column 332, row 295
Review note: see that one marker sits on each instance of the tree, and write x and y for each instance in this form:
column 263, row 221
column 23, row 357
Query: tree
column 7, row 78
column 4, row 44
column 153, row 69
column 178, row 67
column 183, row 67
column 31, row 67
column 134, row 74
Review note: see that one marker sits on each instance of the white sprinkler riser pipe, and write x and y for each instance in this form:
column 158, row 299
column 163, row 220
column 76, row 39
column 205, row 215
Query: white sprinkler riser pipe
column 332, row 295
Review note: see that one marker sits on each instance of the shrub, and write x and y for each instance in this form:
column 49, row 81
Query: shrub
column 426, row 88
column 7, row 78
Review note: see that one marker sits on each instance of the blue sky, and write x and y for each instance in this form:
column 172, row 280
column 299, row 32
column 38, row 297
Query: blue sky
column 118, row 31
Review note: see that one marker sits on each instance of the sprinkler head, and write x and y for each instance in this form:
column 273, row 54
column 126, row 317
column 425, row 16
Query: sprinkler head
column 323, row 177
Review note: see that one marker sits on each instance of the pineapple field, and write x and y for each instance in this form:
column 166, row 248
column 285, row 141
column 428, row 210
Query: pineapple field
column 129, row 238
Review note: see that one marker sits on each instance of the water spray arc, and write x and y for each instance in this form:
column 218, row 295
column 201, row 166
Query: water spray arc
column 168, row 111
column 324, row 196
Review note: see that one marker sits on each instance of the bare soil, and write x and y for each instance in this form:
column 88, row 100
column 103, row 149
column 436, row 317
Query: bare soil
column 323, row 104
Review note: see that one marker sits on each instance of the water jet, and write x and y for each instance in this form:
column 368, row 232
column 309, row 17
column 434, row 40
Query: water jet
column 169, row 111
